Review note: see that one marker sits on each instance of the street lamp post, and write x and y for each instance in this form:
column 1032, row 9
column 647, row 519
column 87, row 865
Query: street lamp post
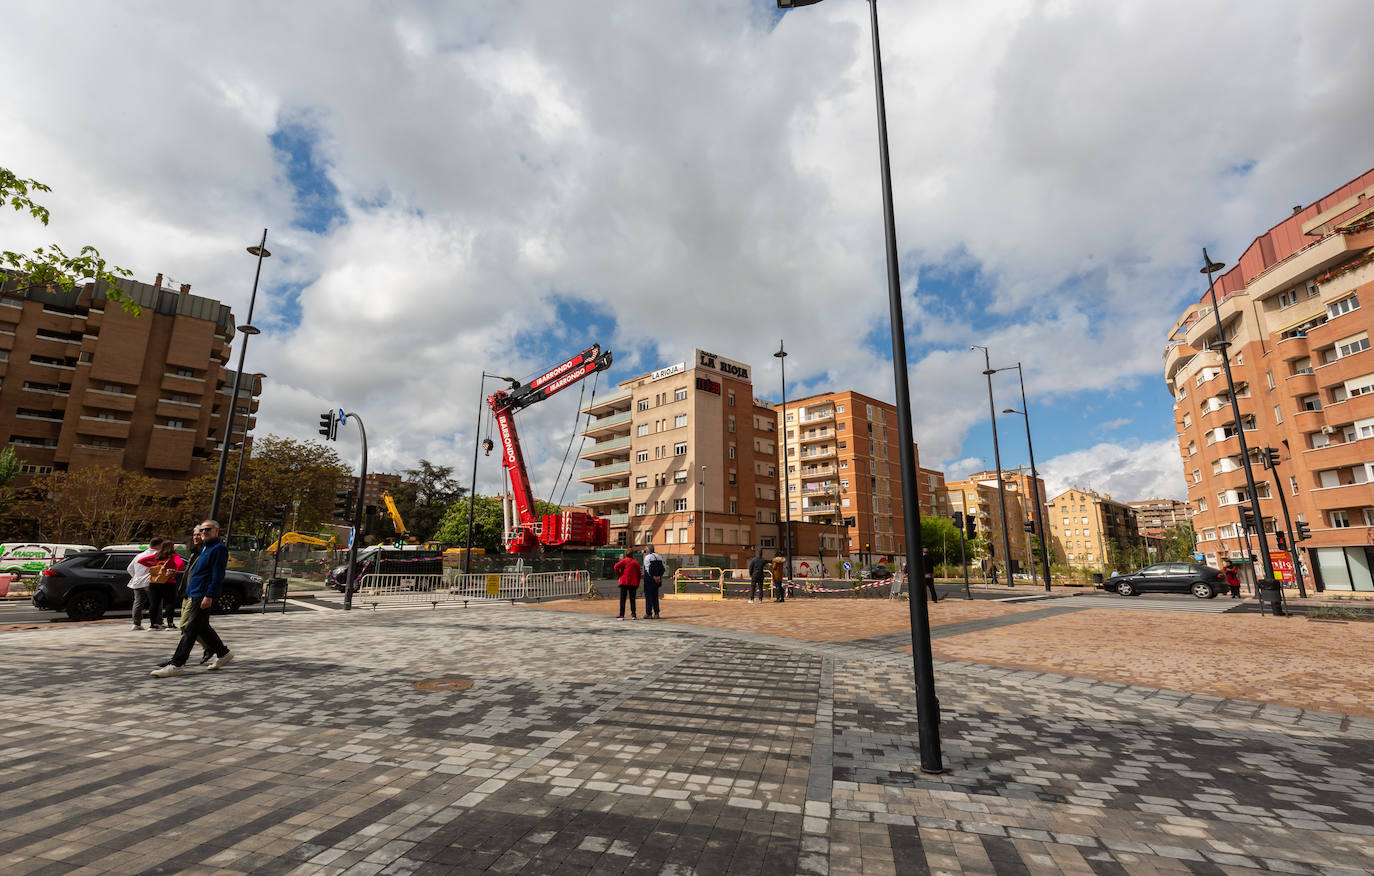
column 261, row 252
column 246, row 330
column 349, row 585
column 781, row 356
column 988, row 371
column 923, row 665
column 1035, row 475
column 1209, row 267
column 476, row 443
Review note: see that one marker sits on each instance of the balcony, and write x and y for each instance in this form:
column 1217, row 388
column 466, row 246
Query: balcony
column 819, row 453
column 609, row 404
column 114, row 401
column 102, row 428
column 1346, row 368
column 820, row 490
column 818, row 416
column 615, row 496
column 1352, row 496
column 812, row 510
column 1339, row 455
column 606, row 423
column 1320, row 256
column 616, row 471
column 621, row 519
column 1309, row 421
column 1300, row 384
column 819, row 471
column 814, row 435
column 606, row 448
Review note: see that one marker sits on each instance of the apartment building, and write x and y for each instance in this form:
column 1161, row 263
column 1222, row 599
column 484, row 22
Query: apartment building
column 683, row 458
column 976, row 496
column 1092, row 530
column 377, row 483
column 1157, row 516
column 83, row 383
column 1298, row 342
column 843, row 470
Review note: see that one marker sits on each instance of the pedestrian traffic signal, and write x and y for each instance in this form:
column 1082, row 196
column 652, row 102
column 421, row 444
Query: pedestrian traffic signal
column 1304, row 532
column 971, row 526
column 329, row 426
column 1248, row 521
column 1030, row 527
column 1281, row 539
column 343, row 503
column 1271, row 457
column 958, row 518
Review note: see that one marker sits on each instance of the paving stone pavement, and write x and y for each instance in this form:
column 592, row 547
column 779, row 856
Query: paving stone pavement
column 586, row 745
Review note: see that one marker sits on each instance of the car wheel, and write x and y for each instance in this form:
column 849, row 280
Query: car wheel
column 87, row 605
column 228, row 601
column 1203, row 590
column 1126, row 588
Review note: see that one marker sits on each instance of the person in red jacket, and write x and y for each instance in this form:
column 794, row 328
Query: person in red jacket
column 1232, row 579
column 629, row 572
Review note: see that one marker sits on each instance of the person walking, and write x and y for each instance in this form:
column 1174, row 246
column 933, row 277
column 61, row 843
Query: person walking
column 203, row 584
column 1232, row 578
column 163, row 569
column 779, row 587
column 654, row 568
column 629, row 572
column 757, row 566
column 138, row 583
column 928, row 576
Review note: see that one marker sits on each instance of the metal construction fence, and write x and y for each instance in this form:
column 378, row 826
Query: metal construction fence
column 455, row 587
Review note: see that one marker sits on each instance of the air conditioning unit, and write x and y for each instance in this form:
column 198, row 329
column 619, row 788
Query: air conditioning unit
column 1328, row 430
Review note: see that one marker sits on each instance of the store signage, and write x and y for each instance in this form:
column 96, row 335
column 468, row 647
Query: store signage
column 723, row 365
column 1283, row 565
column 705, row 384
column 669, row 371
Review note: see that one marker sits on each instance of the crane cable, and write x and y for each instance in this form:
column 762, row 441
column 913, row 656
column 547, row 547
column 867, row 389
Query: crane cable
column 571, row 435
column 590, row 403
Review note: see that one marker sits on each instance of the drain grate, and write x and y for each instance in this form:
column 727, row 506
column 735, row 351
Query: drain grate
column 444, row 684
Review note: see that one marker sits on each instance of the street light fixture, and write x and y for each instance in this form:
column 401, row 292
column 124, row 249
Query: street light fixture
column 781, row 356
column 988, row 371
column 1035, row 478
column 261, row 252
column 923, row 665
column 1210, row 267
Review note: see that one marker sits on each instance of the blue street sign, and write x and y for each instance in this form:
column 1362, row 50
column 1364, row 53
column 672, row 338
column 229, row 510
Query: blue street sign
column 847, row 567
column 350, row 536
column 343, row 418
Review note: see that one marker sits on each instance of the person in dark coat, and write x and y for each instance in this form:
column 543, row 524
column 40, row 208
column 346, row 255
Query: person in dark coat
column 654, row 567
column 1232, row 578
column 928, row 575
column 757, row 566
column 629, row 572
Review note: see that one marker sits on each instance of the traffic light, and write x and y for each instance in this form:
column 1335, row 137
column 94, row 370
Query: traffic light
column 1247, row 520
column 329, row 426
column 1281, row 539
column 1304, row 532
column 1271, row 457
column 343, row 504
column 958, row 518
column 971, row 526
column 1030, row 526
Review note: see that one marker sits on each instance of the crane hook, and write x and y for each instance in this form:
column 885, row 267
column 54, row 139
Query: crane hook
column 487, row 445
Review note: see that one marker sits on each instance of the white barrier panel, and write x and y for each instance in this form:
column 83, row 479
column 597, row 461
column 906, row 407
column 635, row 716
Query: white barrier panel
column 459, row 588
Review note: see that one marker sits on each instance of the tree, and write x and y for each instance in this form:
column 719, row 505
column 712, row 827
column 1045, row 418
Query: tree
column 940, row 536
column 1180, row 542
column 486, row 522
column 9, row 469
column 49, row 267
column 425, row 496
column 300, row 475
column 102, row 505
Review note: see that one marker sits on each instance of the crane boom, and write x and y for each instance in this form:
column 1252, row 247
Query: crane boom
column 527, row 533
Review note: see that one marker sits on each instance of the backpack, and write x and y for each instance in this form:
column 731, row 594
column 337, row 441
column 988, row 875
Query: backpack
column 656, row 569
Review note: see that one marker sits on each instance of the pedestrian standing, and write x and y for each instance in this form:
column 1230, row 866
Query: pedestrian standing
column 757, row 566
column 1232, row 579
column 653, row 580
column 629, row 572
column 928, row 575
column 164, row 570
column 138, row 583
column 203, row 584
column 779, row 587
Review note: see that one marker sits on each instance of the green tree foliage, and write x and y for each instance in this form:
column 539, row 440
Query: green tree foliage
column 279, row 472
column 941, row 538
column 425, row 496
column 1180, row 542
column 50, row 267
column 102, row 505
column 486, row 522
column 9, row 469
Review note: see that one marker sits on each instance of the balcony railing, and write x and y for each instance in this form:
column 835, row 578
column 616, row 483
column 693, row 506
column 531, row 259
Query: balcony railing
column 597, row 497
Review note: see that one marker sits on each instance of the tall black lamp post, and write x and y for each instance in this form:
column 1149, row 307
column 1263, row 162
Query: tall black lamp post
column 988, row 371
column 349, row 584
column 781, row 356
column 923, row 666
column 247, row 330
column 1035, row 476
column 261, row 252
column 476, row 444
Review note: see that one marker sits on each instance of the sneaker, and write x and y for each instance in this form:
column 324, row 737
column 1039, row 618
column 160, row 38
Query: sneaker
column 751, row 602
column 136, row 627
column 222, row 661
column 206, row 657
column 167, row 671
column 156, row 627
column 620, row 617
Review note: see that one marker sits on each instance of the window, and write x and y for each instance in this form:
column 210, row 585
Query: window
column 679, row 504
column 680, row 394
column 1202, row 503
column 1192, row 448
column 1288, row 299
column 1310, row 403
column 731, row 452
column 680, row 448
column 730, row 398
column 643, row 404
column 732, row 506
column 641, row 508
column 642, row 429
column 185, row 372
column 1339, row 519
column 642, row 482
column 1269, row 378
column 1352, row 345
column 1342, row 307
column 1278, row 414
column 642, row 456
column 680, row 420
column 680, row 476
column 1187, row 420
column 176, row 424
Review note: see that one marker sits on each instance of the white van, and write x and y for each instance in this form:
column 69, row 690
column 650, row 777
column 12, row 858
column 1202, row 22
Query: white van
column 29, row 558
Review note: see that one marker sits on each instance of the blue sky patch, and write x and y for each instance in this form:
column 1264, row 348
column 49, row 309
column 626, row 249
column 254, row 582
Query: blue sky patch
column 296, row 143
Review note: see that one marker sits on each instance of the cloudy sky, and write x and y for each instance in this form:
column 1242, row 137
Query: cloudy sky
column 496, row 184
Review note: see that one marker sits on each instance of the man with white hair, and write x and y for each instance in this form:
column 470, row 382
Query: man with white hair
column 203, row 583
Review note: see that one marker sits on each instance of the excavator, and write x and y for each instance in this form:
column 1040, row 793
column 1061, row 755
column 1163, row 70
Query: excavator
column 569, row 528
column 302, row 538
column 394, row 513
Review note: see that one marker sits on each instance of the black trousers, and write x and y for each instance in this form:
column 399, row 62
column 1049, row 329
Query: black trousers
column 651, row 598
column 630, row 593
column 198, row 626
column 930, row 589
column 756, row 589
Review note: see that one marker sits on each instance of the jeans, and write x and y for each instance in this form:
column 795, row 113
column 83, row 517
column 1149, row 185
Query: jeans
column 141, row 603
column 630, row 591
column 196, row 625
column 651, row 598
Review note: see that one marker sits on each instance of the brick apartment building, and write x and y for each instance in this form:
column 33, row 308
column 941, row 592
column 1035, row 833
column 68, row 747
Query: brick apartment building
column 377, row 483
column 976, row 496
column 1088, row 529
column 684, row 459
column 1298, row 341
column 1157, row 516
column 85, row 383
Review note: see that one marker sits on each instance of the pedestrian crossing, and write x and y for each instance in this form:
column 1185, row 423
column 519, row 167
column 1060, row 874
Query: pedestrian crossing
column 1151, row 602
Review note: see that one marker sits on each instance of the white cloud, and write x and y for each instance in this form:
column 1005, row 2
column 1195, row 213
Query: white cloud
column 1127, row 472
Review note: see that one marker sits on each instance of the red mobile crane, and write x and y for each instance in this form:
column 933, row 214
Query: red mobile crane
column 570, row 528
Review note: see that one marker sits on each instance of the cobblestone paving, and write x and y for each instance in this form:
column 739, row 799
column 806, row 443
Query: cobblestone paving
column 586, row 745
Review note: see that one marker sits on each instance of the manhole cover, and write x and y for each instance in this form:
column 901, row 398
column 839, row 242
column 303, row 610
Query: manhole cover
column 432, row 684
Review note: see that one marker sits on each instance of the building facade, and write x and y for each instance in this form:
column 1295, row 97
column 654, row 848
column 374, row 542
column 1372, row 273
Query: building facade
column 976, row 496
column 843, row 471
column 684, row 459
column 1093, row 531
column 377, row 483
column 85, row 383
column 1298, row 341
column 1157, row 516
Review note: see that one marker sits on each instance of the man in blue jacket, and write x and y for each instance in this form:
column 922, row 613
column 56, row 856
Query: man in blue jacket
column 203, row 584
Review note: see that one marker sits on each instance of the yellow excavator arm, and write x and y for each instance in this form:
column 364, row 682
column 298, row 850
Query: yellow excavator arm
column 396, row 520
column 300, row 538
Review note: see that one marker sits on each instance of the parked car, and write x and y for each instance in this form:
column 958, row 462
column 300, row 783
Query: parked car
column 90, row 583
column 30, row 558
column 876, row 572
column 1204, row 582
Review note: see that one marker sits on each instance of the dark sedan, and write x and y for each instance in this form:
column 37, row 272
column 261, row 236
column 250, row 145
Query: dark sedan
column 88, row 584
column 1204, row 582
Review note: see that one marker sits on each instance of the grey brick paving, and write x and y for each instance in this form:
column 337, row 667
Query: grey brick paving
column 591, row 746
